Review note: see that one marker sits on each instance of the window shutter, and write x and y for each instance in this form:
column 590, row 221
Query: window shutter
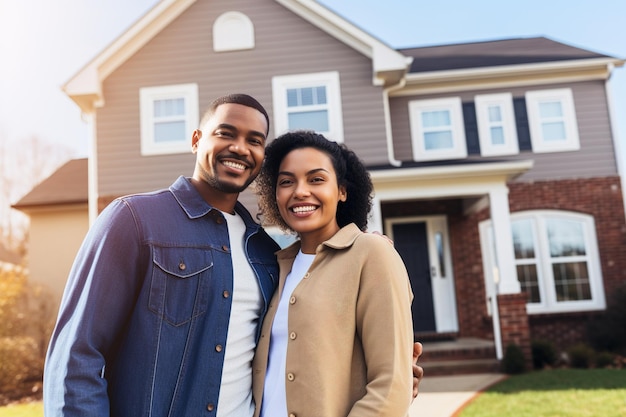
column 471, row 128
column 521, row 123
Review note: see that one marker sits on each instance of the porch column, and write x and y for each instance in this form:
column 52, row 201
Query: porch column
column 503, row 241
column 375, row 223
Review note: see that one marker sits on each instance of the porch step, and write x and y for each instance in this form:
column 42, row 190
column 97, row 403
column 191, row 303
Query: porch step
column 459, row 356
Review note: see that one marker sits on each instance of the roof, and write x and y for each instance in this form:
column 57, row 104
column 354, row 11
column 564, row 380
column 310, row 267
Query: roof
column 494, row 53
column 67, row 185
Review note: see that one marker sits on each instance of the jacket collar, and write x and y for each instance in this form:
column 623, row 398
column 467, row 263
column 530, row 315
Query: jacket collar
column 195, row 206
column 343, row 239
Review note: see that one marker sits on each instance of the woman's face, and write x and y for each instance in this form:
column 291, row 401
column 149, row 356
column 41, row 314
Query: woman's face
column 307, row 194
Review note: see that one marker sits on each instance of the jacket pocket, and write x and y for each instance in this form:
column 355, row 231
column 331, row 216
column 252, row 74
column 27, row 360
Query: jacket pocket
column 180, row 277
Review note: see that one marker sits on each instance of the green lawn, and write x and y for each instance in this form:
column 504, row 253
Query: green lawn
column 554, row 393
column 22, row 410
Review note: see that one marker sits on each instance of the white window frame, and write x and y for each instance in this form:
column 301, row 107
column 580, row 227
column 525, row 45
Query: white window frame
column 147, row 97
column 505, row 102
column 563, row 96
column 330, row 80
column 233, row 31
column 545, row 278
column 452, row 105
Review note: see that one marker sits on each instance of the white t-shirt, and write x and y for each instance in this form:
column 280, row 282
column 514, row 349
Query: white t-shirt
column 236, row 387
column 274, row 402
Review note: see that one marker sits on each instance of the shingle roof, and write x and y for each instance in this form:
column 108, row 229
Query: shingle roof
column 66, row 185
column 494, row 53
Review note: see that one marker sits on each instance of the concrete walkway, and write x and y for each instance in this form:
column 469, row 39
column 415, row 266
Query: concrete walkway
column 443, row 396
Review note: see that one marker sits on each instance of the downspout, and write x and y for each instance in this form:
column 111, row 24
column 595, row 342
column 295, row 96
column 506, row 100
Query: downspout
column 614, row 133
column 390, row 153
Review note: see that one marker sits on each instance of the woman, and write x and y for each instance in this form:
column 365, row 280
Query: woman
column 337, row 339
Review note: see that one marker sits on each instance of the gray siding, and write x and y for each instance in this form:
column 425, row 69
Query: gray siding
column 183, row 53
column 596, row 157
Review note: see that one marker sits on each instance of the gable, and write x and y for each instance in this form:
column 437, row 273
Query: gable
column 85, row 88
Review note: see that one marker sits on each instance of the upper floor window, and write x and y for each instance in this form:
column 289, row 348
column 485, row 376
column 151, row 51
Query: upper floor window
column 557, row 260
column 308, row 101
column 496, row 124
column 437, row 130
column 552, row 120
column 233, row 31
column 168, row 116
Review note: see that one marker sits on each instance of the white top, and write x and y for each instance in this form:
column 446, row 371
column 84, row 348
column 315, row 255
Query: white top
column 236, row 388
column 274, row 402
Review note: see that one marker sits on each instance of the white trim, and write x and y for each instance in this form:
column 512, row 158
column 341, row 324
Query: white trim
column 536, row 121
column 450, row 105
column 329, row 80
column 147, row 97
column 504, row 103
column 233, row 31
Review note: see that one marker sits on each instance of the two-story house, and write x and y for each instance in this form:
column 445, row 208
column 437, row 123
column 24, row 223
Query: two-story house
column 494, row 163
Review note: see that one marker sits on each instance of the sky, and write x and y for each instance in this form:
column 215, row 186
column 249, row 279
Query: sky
column 44, row 43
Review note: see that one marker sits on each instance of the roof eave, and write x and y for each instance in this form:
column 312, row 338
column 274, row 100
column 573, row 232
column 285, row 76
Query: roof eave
column 85, row 88
column 519, row 74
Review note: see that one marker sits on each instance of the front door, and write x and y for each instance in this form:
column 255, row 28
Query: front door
column 423, row 244
column 410, row 241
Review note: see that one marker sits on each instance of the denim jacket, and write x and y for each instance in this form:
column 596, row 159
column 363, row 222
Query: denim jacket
column 143, row 321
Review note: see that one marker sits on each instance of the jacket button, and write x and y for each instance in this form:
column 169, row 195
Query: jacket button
column 291, row 376
column 182, row 266
column 292, row 300
column 218, row 348
column 225, row 248
column 292, row 335
column 226, row 294
column 210, row 407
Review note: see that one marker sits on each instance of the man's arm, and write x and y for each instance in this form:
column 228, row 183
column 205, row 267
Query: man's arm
column 95, row 305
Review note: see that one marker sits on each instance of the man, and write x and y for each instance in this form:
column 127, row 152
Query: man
column 161, row 312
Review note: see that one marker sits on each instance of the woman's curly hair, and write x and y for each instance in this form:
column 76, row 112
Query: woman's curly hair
column 351, row 173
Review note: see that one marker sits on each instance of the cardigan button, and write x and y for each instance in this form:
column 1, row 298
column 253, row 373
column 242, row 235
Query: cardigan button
column 291, row 376
column 292, row 335
column 292, row 415
column 292, row 300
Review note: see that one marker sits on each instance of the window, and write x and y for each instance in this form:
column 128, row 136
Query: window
column 168, row 114
column 233, row 31
column 308, row 101
column 437, row 130
column 552, row 120
column 496, row 124
column 557, row 260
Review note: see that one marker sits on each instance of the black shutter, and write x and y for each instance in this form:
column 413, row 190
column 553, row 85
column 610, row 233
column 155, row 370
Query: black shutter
column 521, row 123
column 471, row 128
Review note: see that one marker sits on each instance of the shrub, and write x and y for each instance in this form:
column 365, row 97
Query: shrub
column 606, row 331
column 513, row 361
column 580, row 356
column 604, row 360
column 543, row 353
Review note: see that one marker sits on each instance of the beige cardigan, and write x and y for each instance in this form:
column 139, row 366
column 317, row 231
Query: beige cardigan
column 350, row 331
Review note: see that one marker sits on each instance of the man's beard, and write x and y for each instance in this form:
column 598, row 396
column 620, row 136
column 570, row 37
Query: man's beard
column 214, row 182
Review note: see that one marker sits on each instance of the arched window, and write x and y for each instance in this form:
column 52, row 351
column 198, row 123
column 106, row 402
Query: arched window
column 233, row 31
column 556, row 258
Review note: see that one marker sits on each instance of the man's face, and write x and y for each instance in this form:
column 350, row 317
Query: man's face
column 230, row 148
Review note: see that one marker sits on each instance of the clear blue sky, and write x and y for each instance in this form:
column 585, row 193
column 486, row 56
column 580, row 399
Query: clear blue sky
column 43, row 43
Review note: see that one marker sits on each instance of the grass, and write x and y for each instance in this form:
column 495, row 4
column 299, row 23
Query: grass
column 554, row 393
column 22, row 410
